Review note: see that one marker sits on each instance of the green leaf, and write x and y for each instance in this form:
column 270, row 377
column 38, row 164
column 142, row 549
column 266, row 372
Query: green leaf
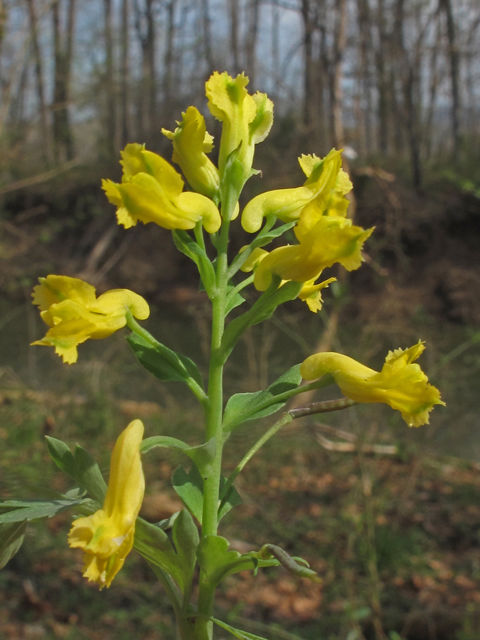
column 236, row 633
column 228, row 502
column 62, row 456
column 11, row 539
column 80, row 466
column 202, row 455
column 189, row 247
column 186, row 539
column 165, row 364
column 233, row 301
column 250, row 406
column 260, row 311
column 25, row 510
column 214, row 558
column 89, row 474
column 154, row 545
column 218, row 562
column 189, row 487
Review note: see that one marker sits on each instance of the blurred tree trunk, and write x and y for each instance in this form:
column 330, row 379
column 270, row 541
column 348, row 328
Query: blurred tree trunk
column 111, row 101
column 454, row 58
column 398, row 76
column 207, row 38
column 432, row 94
column 168, row 61
column 251, row 40
column 44, row 125
column 233, row 10
column 3, row 21
column 275, row 47
column 364, row 22
column 382, row 81
column 63, row 53
column 470, row 60
column 150, row 67
column 337, row 72
column 309, row 76
column 124, row 75
column 147, row 106
column 407, row 69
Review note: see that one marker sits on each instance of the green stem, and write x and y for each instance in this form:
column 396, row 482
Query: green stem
column 214, row 414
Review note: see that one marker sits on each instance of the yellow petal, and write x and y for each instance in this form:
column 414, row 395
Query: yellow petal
column 253, row 259
column 289, row 204
column 190, row 144
column 54, row 289
column 311, row 293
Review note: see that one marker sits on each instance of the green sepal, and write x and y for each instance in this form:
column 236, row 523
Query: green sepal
column 232, row 182
column 154, row 545
column 185, row 538
column 217, row 562
column 260, row 311
column 11, row 539
column 297, row 566
column 165, row 364
column 189, row 247
column 80, row 466
column 250, row 406
column 201, row 455
column 236, row 633
column 189, row 487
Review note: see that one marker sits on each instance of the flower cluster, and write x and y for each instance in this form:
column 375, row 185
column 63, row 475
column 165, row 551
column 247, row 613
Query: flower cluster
column 153, row 191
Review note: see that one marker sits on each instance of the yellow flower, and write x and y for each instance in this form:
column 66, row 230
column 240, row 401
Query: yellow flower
column 74, row 314
column 107, row 535
column 152, row 191
column 322, row 194
column 310, row 292
column 332, row 239
column 247, row 119
column 190, row 144
column 400, row 384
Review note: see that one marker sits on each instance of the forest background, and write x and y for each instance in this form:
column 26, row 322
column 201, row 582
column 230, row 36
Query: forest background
column 388, row 517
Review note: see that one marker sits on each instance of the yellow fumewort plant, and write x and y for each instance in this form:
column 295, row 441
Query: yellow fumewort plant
column 187, row 552
column 107, row 536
